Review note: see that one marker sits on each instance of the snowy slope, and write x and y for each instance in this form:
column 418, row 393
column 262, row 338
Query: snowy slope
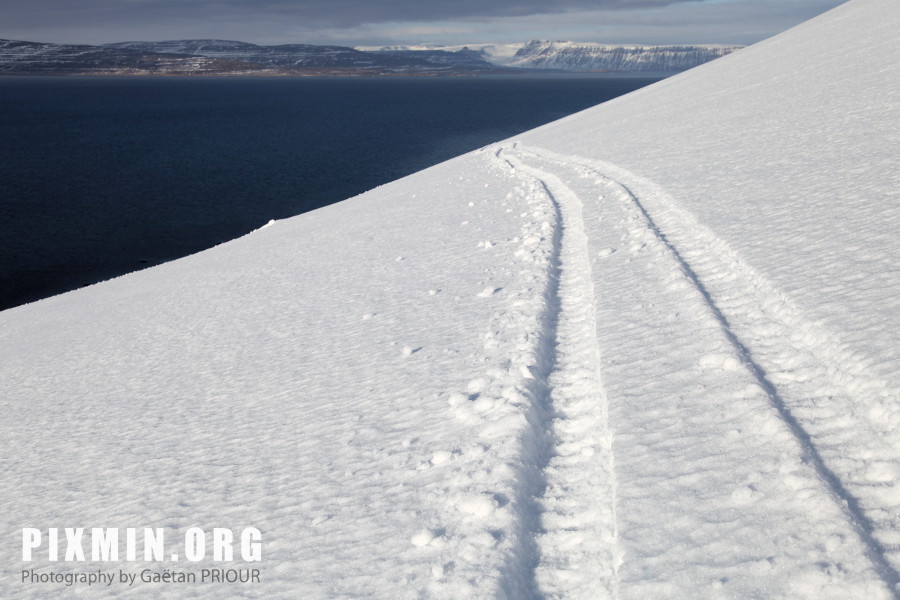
column 648, row 351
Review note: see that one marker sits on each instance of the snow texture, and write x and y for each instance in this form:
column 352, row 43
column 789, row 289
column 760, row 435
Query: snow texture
column 647, row 351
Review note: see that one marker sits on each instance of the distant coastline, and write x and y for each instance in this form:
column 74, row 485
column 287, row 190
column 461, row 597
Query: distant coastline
column 233, row 58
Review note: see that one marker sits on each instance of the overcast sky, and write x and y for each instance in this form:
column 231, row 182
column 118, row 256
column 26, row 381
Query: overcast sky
column 377, row 22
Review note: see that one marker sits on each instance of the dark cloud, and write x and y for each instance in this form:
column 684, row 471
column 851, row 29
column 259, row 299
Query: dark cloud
column 337, row 13
column 350, row 22
column 307, row 13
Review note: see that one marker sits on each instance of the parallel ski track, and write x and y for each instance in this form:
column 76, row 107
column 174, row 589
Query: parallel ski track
column 844, row 490
column 580, row 449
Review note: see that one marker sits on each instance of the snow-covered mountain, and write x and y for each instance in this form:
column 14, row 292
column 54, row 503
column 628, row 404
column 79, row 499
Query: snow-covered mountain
column 305, row 55
column 461, row 57
column 576, row 56
column 651, row 350
column 227, row 57
column 494, row 54
column 35, row 58
column 287, row 55
column 572, row 56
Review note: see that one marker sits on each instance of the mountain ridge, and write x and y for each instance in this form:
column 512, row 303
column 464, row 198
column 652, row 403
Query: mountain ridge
column 216, row 56
column 631, row 58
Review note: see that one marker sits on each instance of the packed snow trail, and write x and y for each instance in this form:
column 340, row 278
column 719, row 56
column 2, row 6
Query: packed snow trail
column 577, row 534
column 839, row 413
column 843, row 416
column 711, row 431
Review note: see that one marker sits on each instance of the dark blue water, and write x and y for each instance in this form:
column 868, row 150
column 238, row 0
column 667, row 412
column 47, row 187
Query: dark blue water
column 102, row 176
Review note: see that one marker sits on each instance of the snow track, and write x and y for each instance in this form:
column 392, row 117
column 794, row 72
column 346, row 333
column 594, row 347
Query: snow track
column 739, row 436
column 577, row 536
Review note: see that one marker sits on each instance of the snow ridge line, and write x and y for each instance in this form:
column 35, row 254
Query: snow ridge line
column 576, row 535
column 846, row 491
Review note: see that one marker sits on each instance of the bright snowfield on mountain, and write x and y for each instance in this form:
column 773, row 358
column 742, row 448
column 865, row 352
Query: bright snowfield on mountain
column 648, row 351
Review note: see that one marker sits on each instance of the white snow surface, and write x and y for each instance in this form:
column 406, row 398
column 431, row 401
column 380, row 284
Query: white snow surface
column 647, row 351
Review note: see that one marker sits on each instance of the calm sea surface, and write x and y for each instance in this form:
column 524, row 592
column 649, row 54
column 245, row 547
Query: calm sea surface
column 102, row 176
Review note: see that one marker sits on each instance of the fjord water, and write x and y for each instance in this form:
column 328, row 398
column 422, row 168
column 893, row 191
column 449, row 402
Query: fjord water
column 103, row 176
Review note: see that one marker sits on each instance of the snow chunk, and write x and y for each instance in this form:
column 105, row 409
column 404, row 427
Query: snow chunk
column 422, row 538
column 478, row 506
column 488, row 292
